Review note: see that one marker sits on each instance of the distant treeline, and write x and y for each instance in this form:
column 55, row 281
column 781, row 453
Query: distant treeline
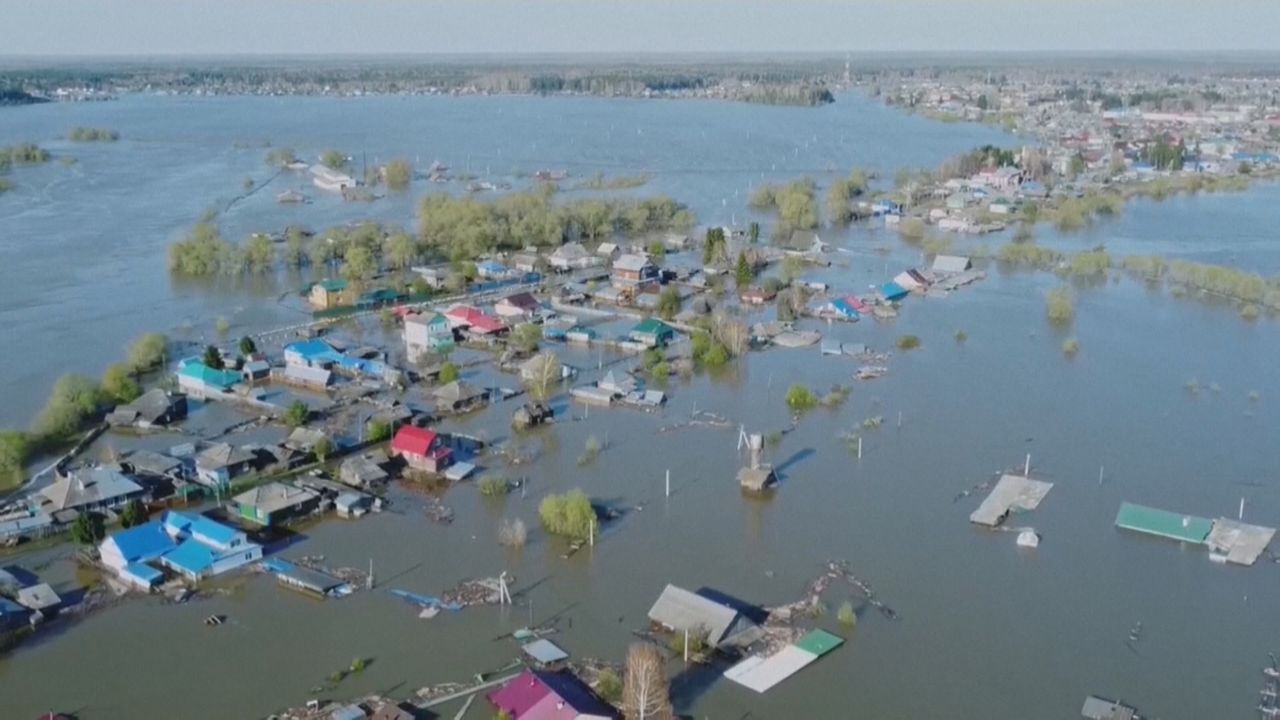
column 794, row 82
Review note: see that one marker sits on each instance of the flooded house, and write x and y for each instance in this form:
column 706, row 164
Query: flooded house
column 202, row 382
column 459, row 397
column 192, row 546
column 220, row 463
column 305, row 376
column 706, row 615
column 541, row 695
column 436, row 277
column 426, row 335
column 473, row 322
column 421, row 449
column 652, row 332
column 97, row 488
column 364, row 470
column 330, row 180
column 951, row 264
column 573, row 256
column 631, row 271
column 154, row 408
column 492, row 270
column 520, row 306
column 329, row 294
column 609, row 251
column 757, row 295
column 274, row 503
column 532, row 414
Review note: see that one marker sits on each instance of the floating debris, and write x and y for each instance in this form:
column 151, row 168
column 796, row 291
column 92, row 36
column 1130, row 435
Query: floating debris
column 871, row 372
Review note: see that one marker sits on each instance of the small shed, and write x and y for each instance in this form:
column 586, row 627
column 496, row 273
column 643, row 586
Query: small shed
column 1096, row 708
column 544, row 652
column 38, row 597
column 951, row 264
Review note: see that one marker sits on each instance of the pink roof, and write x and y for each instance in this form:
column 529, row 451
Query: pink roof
column 474, row 318
column 413, row 441
column 521, row 694
column 855, row 303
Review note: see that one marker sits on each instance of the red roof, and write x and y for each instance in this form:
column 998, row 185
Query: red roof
column 475, row 319
column 413, row 441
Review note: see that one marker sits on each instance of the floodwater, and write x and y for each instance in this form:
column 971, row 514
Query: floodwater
column 986, row 629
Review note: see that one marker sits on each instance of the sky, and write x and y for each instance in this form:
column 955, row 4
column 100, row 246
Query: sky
column 285, row 27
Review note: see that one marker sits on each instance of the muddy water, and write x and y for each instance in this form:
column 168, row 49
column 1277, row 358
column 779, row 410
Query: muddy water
column 985, row 629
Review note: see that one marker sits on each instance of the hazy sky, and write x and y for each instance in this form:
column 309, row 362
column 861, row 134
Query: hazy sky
column 144, row 27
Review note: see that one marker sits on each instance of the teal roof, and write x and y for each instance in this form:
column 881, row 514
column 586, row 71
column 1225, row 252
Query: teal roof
column 653, row 326
column 194, row 368
column 333, row 285
column 819, row 642
column 1184, row 528
column 192, row 557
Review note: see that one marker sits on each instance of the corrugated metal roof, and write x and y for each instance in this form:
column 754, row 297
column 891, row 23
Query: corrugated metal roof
column 544, row 651
column 681, row 610
column 760, row 674
column 1012, row 493
column 1184, row 528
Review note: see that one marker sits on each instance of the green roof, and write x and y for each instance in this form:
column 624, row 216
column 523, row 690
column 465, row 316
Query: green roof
column 1185, row 528
column 819, row 642
column 652, row 326
column 333, row 285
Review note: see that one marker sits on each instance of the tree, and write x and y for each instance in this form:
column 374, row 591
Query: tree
column 14, row 449
column 742, row 273
column 147, row 352
column 133, row 514
column 753, row 232
column 546, row 374
column 359, row 263
column 792, row 268
column 248, row 346
column 259, row 254
column 645, row 688
column 401, row 251
column 525, row 337
column 75, row 398
column 323, row 449
column 398, row 173
column 570, row 515
column 714, row 246
column 669, row 303
column 213, row 358
column 88, row 528
column 334, row 159
column 117, row 384
column 801, row 398
column 297, row 414
column 448, row 372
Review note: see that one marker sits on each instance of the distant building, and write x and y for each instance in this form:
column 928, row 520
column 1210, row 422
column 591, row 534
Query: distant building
column 632, row 270
column 426, row 335
column 331, row 180
column 573, row 256
column 328, row 294
column 652, row 332
column 520, row 305
column 220, row 463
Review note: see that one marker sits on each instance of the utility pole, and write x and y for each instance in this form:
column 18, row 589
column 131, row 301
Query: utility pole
column 1026, row 469
column 668, row 482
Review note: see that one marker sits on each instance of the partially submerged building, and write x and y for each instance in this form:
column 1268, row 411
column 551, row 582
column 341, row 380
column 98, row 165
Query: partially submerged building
column 717, row 623
column 537, row 695
column 192, row 546
column 275, row 503
column 421, row 449
column 98, row 488
column 202, row 382
column 154, row 408
column 760, row 673
column 1013, row 493
column 426, row 335
column 1228, row 541
column 459, row 397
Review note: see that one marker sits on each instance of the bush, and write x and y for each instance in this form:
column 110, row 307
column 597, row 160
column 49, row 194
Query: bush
column 297, row 414
column 609, row 686
column 846, row 615
column 493, row 486
column 569, row 515
column 912, row 229
column 961, row 336
column 1060, row 305
column 117, row 385
column 399, row 174
column 86, row 134
column 448, row 372
column 1249, row 311
column 908, row 342
column 512, row 532
column 590, row 451
column 323, row 449
column 88, row 528
column 801, row 399
column 133, row 514
column 377, row 431
column 1070, row 346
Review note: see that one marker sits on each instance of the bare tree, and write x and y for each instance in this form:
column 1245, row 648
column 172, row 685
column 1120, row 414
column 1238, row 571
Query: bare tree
column 546, row 372
column 645, row 690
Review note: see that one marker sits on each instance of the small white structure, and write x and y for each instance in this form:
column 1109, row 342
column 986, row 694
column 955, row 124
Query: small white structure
column 331, row 180
column 1028, row 539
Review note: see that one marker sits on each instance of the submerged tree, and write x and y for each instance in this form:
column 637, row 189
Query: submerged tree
column 646, row 692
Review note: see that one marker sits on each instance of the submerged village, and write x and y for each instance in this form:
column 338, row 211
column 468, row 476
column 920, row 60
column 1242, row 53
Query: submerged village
column 446, row 362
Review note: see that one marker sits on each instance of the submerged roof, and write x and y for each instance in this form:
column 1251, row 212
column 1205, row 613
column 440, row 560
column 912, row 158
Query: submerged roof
column 1184, row 528
column 1012, row 493
column 680, row 610
column 1240, row 542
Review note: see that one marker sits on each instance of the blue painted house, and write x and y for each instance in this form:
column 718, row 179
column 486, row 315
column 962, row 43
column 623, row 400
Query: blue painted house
column 190, row 545
column 199, row 380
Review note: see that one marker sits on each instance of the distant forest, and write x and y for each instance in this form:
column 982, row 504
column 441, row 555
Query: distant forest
column 773, row 82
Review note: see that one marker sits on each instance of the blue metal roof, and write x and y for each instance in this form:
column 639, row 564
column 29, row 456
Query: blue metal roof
column 200, row 525
column 143, row 542
column 9, row 607
column 191, row 556
column 843, row 307
column 893, row 290
column 313, row 349
column 146, row 573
